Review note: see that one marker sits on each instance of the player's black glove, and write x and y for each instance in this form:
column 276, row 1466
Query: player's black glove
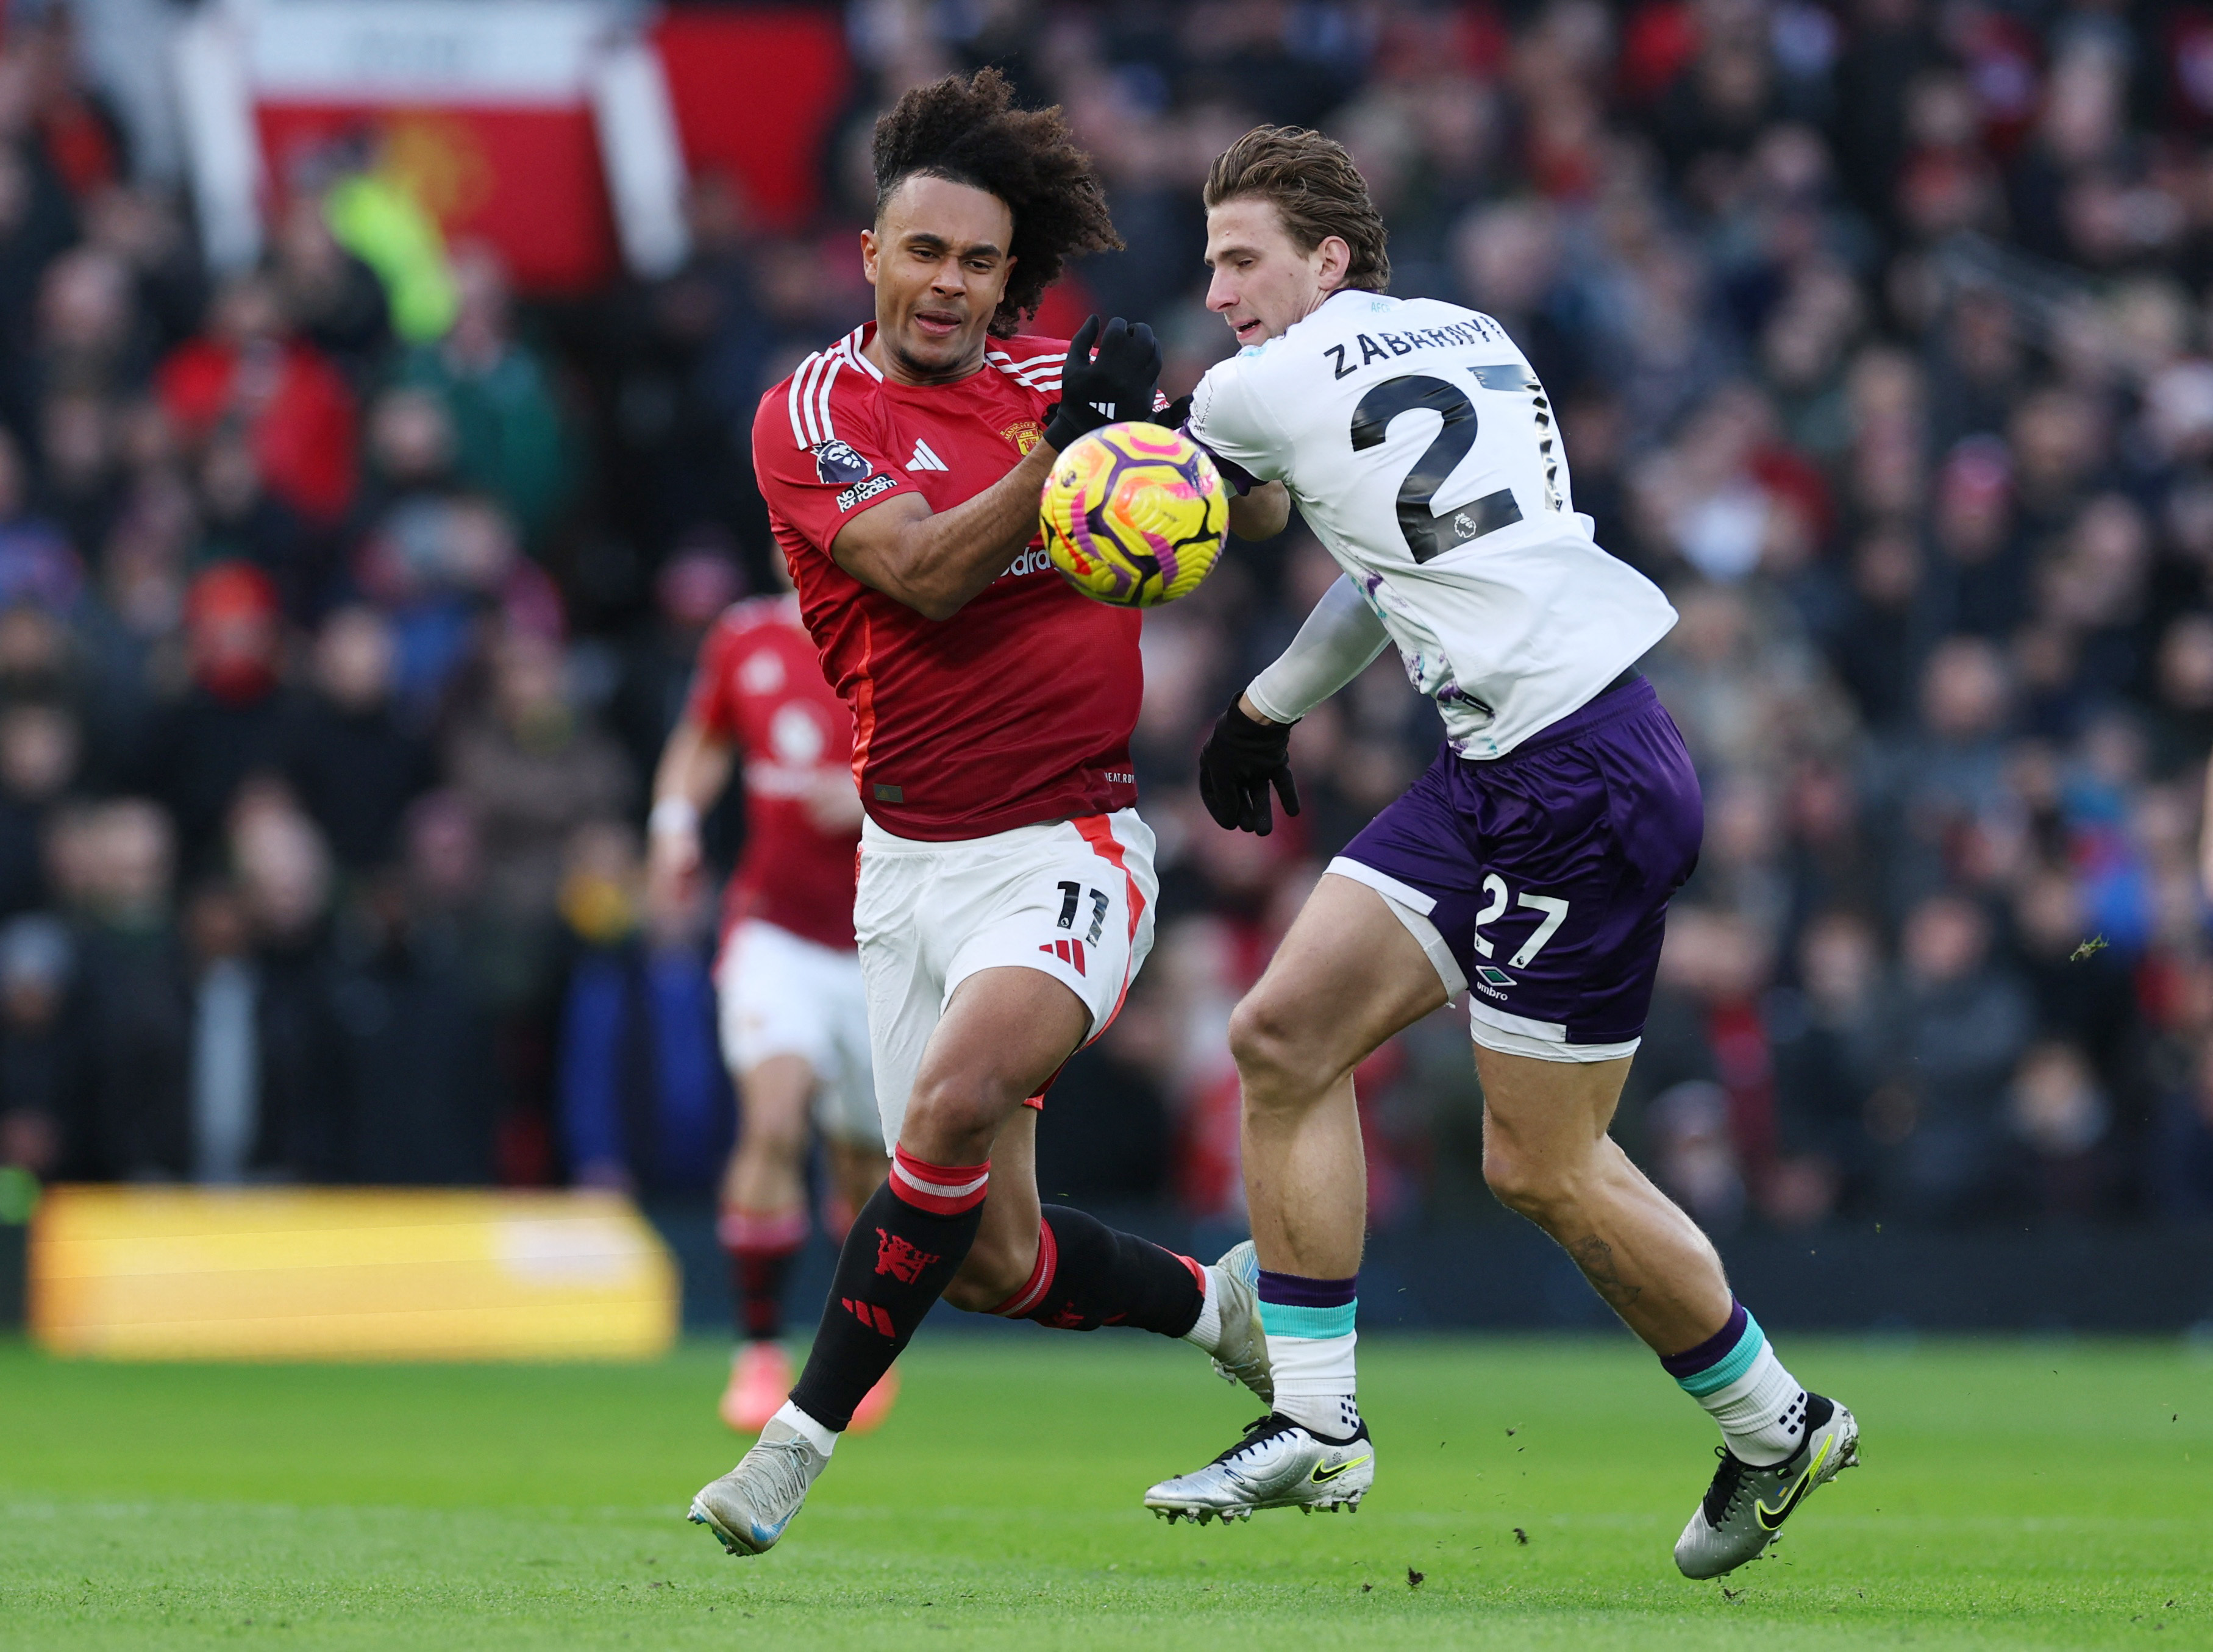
column 1240, row 760
column 1115, row 386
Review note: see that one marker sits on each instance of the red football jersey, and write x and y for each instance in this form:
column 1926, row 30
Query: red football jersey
column 1018, row 708
column 760, row 688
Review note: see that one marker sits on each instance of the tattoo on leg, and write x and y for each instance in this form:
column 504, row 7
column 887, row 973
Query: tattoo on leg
column 1595, row 1258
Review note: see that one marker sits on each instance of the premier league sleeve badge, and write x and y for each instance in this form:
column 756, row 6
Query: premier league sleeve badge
column 836, row 463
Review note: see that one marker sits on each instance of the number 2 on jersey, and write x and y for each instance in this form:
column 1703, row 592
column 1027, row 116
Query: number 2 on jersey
column 1429, row 535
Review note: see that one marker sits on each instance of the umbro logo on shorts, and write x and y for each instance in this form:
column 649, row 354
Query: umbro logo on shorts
column 1069, row 952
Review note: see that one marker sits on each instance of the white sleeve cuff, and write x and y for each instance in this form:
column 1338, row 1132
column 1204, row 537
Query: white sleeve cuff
column 1341, row 637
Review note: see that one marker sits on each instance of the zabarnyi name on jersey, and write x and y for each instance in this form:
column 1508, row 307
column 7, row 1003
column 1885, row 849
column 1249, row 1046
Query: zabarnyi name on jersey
column 1420, row 450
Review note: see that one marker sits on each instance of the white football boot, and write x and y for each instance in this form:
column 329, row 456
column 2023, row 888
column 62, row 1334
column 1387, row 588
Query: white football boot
column 1242, row 1354
column 749, row 1507
column 1745, row 1507
column 1279, row 1464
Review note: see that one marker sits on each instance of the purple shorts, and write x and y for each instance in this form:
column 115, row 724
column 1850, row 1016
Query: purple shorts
column 1546, row 873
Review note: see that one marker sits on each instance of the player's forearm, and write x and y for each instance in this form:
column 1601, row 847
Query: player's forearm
column 691, row 773
column 1340, row 639
column 1261, row 514
column 937, row 564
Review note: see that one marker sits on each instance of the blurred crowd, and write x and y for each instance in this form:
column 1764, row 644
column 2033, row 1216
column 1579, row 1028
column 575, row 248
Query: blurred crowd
column 333, row 651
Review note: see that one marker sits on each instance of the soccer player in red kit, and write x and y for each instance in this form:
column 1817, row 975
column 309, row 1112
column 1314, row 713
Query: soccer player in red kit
column 1006, row 883
column 793, row 1020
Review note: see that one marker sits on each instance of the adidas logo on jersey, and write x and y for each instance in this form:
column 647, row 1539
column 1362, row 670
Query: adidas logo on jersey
column 924, row 460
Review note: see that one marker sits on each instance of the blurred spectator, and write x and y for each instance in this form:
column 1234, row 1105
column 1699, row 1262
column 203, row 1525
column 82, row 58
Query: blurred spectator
column 424, row 1087
column 2060, row 1122
column 39, row 744
column 533, row 766
column 331, row 298
column 693, row 588
column 643, row 1098
column 353, row 762
column 1960, row 1024
column 234, row 719
column 509, row 440
column 2181, row 1159
column 1693, row 1153
column 1830, row 1054
column 38, row 1057
column 248, row 374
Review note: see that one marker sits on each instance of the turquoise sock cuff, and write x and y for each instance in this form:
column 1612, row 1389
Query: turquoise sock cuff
column 1287, row 1320
column 1731, row 1365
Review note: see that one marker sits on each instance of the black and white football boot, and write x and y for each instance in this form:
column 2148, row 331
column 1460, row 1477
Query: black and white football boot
column 1279, row 1464
column 1745, row 1507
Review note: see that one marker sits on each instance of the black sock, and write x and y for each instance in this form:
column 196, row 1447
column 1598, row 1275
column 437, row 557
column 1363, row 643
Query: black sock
column 1088, row 1275
column 757, row 1286
column 899, row 1256
column 762, row 1247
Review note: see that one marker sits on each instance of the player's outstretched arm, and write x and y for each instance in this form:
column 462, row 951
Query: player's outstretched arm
column 695, row 765
column 1248, row 753
column 1340, row 639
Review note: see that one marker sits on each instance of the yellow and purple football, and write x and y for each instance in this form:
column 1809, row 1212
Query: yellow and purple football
column 1134, row 514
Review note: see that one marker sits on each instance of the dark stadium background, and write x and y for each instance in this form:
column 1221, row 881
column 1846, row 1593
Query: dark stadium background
column 1880, row 333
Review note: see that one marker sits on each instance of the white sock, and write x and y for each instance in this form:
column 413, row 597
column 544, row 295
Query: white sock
column 1315, row 1383
column 1207, row 1333
column 806, row 1427
column 1762, row 1413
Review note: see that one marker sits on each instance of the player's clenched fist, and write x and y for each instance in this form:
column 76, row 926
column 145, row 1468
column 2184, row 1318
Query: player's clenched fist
column 1240, row 760
column 1110, row 387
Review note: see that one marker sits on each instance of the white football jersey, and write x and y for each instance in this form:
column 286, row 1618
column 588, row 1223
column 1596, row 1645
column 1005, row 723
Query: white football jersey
column 1420, row 448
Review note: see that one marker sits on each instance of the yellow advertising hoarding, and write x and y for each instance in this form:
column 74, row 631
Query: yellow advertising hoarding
column 368, row 1273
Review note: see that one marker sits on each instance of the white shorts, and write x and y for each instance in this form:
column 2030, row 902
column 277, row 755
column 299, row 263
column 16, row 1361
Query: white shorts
column 780, row 994
column 1073, row 898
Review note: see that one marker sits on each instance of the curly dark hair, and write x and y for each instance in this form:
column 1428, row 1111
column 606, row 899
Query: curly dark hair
column 968, row 131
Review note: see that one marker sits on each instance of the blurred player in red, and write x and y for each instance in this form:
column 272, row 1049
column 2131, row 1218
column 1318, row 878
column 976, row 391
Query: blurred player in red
column 1006, row 883
column 793, row 1023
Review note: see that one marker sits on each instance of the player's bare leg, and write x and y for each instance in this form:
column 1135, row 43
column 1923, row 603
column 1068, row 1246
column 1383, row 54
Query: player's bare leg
column 1546, row 1154
column 763, row 1225
column 1004, row 1035
column 856, row 1170
column 1346, row 977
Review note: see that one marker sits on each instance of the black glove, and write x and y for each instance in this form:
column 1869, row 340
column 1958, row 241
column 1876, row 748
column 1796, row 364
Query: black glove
column 1240, row 760
column 1120, row 380
column 1175, row 414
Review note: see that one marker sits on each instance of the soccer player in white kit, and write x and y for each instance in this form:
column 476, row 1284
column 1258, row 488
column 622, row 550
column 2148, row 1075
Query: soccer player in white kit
column 1530, row 867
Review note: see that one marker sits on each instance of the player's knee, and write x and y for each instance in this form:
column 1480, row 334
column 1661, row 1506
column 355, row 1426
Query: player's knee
column 1266, row 1043
column 773, row 1134
column 1528, row 1183
column 952, row 1118
column 991, row 1273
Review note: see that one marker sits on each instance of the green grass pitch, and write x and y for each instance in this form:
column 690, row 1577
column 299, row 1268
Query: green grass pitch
column 2013, row 1495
